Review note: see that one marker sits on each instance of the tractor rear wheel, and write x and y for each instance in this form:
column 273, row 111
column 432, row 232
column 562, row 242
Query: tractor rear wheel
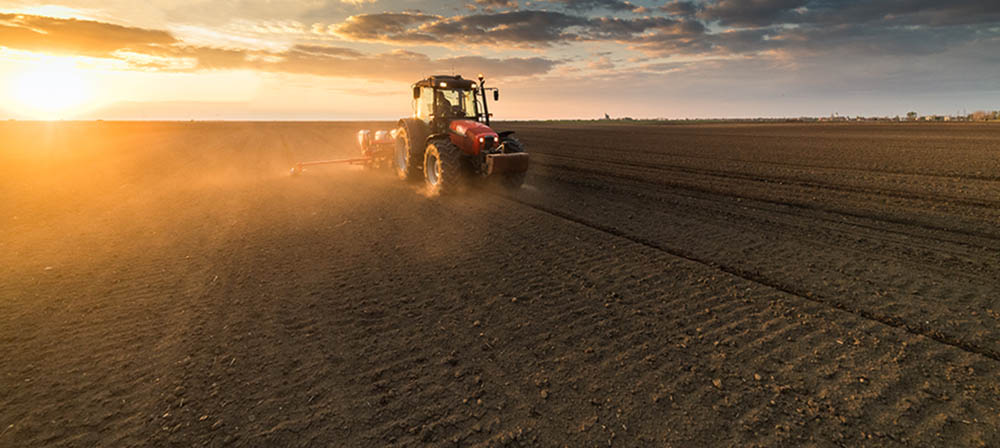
column 407, row 156
column 442, row 166
column 512, row 181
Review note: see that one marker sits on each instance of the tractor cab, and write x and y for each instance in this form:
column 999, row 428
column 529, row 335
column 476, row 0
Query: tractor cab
column 440, row 99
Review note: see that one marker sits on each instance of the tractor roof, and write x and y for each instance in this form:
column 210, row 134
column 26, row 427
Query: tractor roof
column 451, row 82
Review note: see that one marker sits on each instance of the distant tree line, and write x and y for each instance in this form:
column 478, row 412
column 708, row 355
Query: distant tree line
column 985, row 115
column 979, row 115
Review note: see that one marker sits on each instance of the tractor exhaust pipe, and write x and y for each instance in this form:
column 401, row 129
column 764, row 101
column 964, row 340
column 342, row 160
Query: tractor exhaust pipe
column 482, row 91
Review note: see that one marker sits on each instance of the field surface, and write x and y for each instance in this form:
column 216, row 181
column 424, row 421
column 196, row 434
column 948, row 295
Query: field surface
column 168, row 284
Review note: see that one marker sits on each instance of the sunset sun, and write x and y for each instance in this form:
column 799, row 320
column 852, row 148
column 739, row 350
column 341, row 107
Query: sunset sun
column 52, row 90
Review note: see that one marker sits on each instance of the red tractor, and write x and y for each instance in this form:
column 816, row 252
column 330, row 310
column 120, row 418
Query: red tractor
column 447, row 140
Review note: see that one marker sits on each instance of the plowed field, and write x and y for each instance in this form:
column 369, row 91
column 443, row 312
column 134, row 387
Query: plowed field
column 168, row 284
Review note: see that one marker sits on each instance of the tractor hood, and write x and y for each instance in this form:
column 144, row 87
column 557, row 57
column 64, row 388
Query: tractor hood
column 471, row 136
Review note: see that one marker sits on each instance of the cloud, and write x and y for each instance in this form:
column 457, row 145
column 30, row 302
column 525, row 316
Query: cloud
column 749, row 12
column 680, row 8
column 807, row 28
column 515, row 27
column 493, row 5
column 398, row 65
column 603, row 28
column 601, row 63
column 496, row 68
column 144, row 49
column 518, row 28
column 529, row 28
column 861, row 40
column 323, row 50
column 589, row 5
column 386, row 26
column 901, row 13
column 220, row 12
column 877, row 13
column 72, row 36
column 808, row 31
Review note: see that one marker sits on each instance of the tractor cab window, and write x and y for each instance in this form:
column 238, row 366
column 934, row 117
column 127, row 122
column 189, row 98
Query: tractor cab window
column 455, row 103
column 424, row 106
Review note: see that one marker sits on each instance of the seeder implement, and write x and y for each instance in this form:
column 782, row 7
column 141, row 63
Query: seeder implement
column 376, row 152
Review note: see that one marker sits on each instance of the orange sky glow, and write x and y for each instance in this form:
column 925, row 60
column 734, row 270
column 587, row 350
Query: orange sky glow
column 340, row 59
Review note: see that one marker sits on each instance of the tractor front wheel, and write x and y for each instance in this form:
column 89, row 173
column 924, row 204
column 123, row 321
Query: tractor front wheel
column 442, row 166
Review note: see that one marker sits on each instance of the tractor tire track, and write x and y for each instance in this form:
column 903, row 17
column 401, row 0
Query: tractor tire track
column 552, row 142
column 711, row 207
column 801, row 205
column 891, row 321
column 778, row 180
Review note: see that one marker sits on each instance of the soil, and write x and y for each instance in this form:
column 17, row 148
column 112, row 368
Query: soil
column 169, row 284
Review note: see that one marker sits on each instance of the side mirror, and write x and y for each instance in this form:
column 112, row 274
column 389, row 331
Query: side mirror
column 416, row 93
column 496, row 95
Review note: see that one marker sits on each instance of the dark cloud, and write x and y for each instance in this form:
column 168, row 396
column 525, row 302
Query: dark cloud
column 590, row 5
column 519, row 28
column 163, row 52
column 879, row 13
column 680, row 8
column 613, row 28
column 71, row 36
column 809, row 27
column 804, row 30
column 901, row 13
column 529, row 28
column 791, row 26
column 747, row 27
column 493, row 5
column 749, row 12
column 515, row 27
column 865, row 41
column 391, row 26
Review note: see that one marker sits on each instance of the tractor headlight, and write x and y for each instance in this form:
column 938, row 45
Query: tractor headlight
column 480, row 140
column 444, row 84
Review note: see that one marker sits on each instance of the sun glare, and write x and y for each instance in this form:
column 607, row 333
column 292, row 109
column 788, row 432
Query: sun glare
column 52, row 90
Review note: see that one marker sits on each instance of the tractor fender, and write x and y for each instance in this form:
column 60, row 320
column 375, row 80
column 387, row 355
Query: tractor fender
column 434, row 136
column 415, row 129
column 504, row 134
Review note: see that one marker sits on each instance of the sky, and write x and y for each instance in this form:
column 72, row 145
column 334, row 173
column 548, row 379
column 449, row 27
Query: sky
column 355, row 59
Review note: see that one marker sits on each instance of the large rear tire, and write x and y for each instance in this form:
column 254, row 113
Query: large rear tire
column 442, row 167
column 408, row 155
column 512, row 181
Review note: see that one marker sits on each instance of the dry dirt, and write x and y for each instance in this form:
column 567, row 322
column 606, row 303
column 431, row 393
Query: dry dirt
column 168, row 284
